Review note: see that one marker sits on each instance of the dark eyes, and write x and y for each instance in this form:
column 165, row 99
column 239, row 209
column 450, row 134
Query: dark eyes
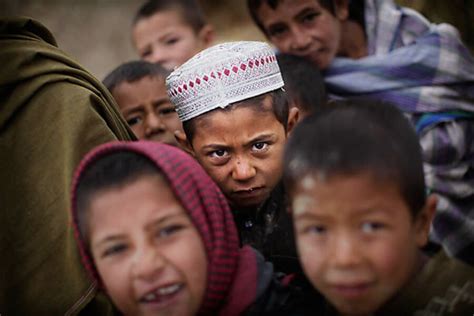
column 260, row 146
column 277, row 31
column 114, row 250
column 280, row 30
column 309, row 17
column 169, row 230
column 371, row 227
column 145, row 53
column 315, row 229
column 218, row 153
column 172, row 41
column 134, row 120
column 166, row 110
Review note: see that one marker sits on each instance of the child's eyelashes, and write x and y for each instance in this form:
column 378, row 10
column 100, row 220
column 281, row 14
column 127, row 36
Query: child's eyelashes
column 172, row 41
column 114, row 250
column 169, row 230
column 310, row 17
column 260, row 146
column 372, row 226
column 134, row 120
column 166, row 111
column 220, row 153
column 277, row 31
column 313, row 229
column 145, row 53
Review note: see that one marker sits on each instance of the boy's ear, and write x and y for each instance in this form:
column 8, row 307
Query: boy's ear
column 342, row 9
column 183, row 142
column 206, row 35
column 424, row 220
column 293, row 115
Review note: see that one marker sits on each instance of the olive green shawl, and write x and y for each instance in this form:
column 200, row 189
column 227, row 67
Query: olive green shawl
column 52, row 112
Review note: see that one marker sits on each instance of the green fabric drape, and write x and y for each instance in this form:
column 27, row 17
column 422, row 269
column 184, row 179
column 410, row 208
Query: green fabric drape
column 52, row 112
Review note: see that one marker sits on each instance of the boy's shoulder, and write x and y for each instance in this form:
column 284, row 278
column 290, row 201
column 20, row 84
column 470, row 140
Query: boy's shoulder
column 444, row 287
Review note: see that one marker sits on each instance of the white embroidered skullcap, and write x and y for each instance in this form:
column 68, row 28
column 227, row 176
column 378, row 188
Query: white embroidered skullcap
column 221, row 75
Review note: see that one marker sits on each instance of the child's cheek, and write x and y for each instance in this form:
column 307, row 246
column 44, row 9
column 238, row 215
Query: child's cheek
column 309, row 259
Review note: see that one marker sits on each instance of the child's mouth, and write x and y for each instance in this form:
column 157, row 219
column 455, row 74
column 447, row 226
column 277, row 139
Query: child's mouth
column 162, row 295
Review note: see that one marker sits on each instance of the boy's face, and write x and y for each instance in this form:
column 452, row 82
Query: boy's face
column 304, row 28
column 147, row 251
column 357, row 240
column 241, row 149
column 166, row 39
column 148, row 109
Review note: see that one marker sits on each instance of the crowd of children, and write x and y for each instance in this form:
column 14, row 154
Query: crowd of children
column 331, row 176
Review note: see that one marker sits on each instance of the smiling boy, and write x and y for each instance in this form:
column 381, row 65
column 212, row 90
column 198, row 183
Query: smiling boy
column 362, row 216
column 236, row 122
column 169, row 32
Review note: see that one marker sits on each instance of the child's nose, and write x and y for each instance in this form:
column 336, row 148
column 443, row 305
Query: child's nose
column 243, row 169
column 153, row 124
column 147, row 264
column 301, row 40
column 346, row 252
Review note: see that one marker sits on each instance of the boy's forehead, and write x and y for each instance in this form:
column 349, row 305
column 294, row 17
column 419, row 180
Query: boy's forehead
column 222, row 75
column 261, row 106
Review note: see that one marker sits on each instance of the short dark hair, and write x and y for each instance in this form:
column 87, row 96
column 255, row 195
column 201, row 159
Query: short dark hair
column 304, row 83
column 349, row 137
column 133, row 71
column 190, row 9
column 113, row 170
column 356, row 10
column 279, row 109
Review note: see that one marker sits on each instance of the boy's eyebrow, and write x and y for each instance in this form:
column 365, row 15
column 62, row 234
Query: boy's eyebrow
column 133, row 109
column 260, row 138
column 108, row 239
column 303, row 12
column 276, row 25
column 163, row 219
column 160, row 102
column 305, row 214
column 214, row 147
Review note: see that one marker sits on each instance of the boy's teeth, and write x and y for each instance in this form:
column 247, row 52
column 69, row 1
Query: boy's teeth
column 150, row 297
column 169, row 289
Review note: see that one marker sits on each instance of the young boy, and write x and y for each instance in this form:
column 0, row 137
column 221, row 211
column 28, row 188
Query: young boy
column 355, row 178
column 236, row 122
column 140, row 91
column 157, row 235
column 169, row 32
column 304, row 84
column 377, row 49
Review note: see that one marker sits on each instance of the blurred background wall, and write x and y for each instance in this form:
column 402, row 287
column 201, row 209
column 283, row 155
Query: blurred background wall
column 97, row 32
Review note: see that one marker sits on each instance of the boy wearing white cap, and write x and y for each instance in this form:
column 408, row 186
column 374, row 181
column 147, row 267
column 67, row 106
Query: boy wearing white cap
column 236, row 121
